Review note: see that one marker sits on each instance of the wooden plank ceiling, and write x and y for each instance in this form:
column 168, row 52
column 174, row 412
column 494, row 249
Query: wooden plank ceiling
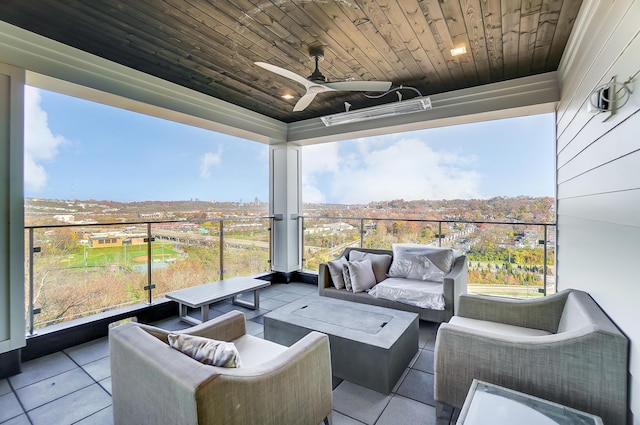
column 211, row 46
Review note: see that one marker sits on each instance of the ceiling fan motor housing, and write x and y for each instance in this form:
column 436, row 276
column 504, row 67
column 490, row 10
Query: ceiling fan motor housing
column 317, row 54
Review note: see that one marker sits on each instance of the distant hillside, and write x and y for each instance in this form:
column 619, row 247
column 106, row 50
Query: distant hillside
column 40, row 211
column 50, row 211
column 517, row 209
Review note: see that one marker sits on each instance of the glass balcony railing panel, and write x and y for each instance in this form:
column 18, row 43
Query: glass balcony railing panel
column 75, row 270
column 506, row 260
column 184, row 254
column 326, row 238
column 455, row 235
column 551, row 258
column 383, row 233
column 80, row 271
column 246, row 247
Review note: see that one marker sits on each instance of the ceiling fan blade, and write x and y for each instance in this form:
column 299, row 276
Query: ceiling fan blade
column 359, row 85
column 284, row 72
column 304, row 101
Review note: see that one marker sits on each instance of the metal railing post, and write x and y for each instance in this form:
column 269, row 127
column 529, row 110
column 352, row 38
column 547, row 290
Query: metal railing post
column 149, row 286
column 544, row 265
column 270, row 230
column 31, row 306
column 221, row 249
column 362, row 233
column 439, row 233
column 301, row 229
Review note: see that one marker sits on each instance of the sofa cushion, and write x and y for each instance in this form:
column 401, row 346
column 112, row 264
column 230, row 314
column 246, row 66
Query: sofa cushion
column 424, row 294
column 205, row 350
column 496, row 328
column 421, row 262
column 361, row 273
column 379, row 262
column 336, row 271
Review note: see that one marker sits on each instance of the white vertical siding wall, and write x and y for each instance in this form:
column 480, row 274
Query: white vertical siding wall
column 598, row 171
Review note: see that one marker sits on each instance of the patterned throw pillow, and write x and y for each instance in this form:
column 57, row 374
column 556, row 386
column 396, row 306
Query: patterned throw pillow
column 205, row 350
column 347, row 277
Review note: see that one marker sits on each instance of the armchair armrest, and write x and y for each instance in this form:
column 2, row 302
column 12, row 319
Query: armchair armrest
column 294, row 387
column 541, row 313
column 324, row 278
column 455, row 283
column 146, row 371
column 229, row 326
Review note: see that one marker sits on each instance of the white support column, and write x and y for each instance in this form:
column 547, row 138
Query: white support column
column 286, row 206
column 12, row 322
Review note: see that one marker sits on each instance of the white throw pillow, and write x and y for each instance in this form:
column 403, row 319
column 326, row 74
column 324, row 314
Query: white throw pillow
column 362, row 277
column 336, row 272
column 379, row 262
column 205, row 350
column 409, row 245
column 421, row 262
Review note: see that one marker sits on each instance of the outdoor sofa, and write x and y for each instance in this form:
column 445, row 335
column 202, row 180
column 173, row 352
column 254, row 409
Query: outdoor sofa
column 452, row 286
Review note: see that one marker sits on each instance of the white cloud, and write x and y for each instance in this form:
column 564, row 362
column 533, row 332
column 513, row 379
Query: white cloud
column 312, row 194
column 209, row 160
column 316, row 161
column 321, row 158
column 382, row 169
column 40, row 144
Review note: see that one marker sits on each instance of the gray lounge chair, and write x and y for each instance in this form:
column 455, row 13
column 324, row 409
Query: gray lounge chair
column 562, row 348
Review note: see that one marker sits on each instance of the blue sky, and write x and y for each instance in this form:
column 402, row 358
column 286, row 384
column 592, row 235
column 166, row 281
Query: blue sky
column 76, row 149
column 84, row 150
column 508, row 157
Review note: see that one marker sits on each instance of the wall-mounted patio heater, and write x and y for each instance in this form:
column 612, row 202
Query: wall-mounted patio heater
column 417, row 104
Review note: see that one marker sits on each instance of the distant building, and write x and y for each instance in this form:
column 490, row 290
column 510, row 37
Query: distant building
column 67, row 218
column 103, row 240
column 155, row 215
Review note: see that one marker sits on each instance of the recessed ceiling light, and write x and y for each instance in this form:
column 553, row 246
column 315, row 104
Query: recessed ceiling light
column 458, row 51
column 287, row 96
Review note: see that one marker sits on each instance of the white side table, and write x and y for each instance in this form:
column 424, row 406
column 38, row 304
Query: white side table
column 491, row 404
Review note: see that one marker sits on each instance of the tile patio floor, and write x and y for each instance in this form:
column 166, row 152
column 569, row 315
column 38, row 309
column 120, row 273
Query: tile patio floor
column 74, row 386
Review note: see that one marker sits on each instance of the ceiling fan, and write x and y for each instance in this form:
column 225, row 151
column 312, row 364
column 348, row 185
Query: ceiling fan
column 317, row 83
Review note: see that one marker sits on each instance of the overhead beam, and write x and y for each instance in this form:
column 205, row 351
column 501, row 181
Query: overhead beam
column 523, row 96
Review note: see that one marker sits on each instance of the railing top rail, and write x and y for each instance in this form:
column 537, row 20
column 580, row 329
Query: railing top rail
column 422, row 220
column 129, row 223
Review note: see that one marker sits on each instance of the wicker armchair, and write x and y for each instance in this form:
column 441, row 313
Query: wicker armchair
column 153, row 383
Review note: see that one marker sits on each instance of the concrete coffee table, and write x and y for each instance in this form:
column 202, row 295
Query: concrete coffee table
column 370, row 346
